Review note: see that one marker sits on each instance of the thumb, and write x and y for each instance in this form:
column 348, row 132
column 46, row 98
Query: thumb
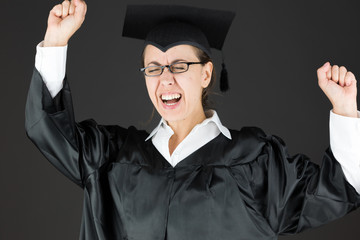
column 322, row 72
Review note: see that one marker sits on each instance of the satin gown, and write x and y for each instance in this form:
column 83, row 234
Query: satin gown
column 246, row 188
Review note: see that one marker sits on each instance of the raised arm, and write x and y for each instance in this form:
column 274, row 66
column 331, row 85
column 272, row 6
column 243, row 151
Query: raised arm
column 76, row 149
column 339, row 85
column 63, row 21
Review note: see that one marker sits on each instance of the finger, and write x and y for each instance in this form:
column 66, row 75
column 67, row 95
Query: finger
column 57, row 10
column 65, row 8
column 335, row 73
column 349, row 78
column 80, row 9
column 321, row 73
column 72, row 7
column 328, row 74
column 342, row 73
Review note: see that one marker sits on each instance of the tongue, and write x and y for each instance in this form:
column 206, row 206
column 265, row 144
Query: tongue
column 172, row 101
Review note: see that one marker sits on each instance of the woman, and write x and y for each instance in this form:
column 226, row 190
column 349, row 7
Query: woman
column 222, row 184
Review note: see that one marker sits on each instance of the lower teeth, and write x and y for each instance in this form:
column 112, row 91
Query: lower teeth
column 170, row 104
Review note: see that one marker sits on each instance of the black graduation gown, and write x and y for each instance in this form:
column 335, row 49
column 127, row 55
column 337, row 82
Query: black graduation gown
column 244, row 188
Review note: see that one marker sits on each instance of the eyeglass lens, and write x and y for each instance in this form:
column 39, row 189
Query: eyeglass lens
column 174, row 68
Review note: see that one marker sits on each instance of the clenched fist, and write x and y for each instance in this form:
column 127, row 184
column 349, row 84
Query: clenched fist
column 64, row 20
column 339, row 85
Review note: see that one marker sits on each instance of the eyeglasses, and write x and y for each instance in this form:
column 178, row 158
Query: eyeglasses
column 178, row 67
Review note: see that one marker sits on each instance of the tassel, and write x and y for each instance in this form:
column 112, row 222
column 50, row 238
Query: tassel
column 224, row 83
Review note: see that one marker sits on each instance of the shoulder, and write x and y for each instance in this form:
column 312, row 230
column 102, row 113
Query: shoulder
column 251, row 143
column 248, row 132
column 91, row 127
column 246, row 144
column 248, row 135
column 255, row 135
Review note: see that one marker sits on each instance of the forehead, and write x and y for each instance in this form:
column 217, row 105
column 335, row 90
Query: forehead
column 185, row 52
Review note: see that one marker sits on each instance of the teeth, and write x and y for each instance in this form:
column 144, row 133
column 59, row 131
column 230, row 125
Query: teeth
column 170, row 104
column 170, row 96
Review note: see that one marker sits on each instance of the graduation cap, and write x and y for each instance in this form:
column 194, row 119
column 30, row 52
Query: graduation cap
column 166, row 26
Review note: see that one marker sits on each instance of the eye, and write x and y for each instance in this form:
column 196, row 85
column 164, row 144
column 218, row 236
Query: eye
column 179, row 67
column 153, row 70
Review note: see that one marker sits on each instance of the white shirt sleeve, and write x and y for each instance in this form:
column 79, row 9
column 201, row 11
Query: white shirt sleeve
column 345, row 145
column 51, row 64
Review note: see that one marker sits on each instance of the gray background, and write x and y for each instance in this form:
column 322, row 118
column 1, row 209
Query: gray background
column 272, row 53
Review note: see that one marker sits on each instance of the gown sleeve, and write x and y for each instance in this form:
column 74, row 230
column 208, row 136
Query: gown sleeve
column 292, row 193
column 75, row 149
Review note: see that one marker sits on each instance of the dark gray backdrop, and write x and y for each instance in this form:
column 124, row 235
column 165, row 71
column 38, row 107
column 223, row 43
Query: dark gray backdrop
column 272, row 53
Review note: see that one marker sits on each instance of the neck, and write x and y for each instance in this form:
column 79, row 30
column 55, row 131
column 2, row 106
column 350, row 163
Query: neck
column 182, row 128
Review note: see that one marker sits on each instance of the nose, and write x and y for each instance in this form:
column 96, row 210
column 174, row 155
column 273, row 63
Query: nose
column 167, row 78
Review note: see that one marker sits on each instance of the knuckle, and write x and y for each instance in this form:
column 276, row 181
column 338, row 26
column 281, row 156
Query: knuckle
column 56, row 7
column 335, row 71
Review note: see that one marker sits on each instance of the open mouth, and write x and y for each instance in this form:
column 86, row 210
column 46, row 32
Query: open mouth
column 170, row 99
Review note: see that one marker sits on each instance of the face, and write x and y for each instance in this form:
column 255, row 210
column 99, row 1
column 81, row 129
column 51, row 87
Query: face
column 177, row 97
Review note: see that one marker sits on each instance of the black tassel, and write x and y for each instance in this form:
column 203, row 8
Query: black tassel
column 224, row 83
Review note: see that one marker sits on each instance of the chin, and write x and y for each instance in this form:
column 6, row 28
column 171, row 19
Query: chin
column 172, row 116
column 172, row 113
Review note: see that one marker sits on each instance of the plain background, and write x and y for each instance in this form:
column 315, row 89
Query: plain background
column 272, row 53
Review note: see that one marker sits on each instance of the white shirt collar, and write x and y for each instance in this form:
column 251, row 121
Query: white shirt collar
column 213, row 117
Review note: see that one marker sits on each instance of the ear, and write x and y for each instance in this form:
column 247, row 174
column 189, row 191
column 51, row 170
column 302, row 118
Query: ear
column 206, row 74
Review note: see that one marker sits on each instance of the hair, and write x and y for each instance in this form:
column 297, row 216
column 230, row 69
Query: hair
column 205, row 58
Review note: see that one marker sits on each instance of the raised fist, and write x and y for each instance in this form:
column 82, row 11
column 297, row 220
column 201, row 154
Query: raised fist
column 339, row 85
column 64, row 20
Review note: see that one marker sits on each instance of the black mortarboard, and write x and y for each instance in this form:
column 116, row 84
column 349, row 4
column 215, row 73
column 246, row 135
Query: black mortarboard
column 165, row 26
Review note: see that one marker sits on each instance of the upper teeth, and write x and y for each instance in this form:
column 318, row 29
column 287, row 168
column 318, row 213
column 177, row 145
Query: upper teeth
column 170, row 96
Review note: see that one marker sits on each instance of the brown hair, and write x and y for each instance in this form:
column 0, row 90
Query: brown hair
column 203, row 57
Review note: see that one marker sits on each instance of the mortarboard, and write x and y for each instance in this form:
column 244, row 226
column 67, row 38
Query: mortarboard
column 166, row 26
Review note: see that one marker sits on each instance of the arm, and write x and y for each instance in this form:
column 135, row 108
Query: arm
column 339, row 85
column 290, row 192
column 50, row 62
column 344, row 143
column 305, row 195
column 76, row 149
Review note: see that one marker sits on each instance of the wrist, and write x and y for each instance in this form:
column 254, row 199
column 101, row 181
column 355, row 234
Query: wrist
column 346, row 112
column 54, row 41
column 54, row 44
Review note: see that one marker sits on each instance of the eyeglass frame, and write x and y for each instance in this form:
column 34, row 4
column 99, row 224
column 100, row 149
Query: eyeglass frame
column 169, row 67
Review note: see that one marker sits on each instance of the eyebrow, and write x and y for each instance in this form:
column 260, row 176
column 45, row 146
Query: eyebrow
column 174, row 61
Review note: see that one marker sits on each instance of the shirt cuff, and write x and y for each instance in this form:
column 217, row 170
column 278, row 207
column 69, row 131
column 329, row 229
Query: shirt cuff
column 345, row 145
column 51, row 64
